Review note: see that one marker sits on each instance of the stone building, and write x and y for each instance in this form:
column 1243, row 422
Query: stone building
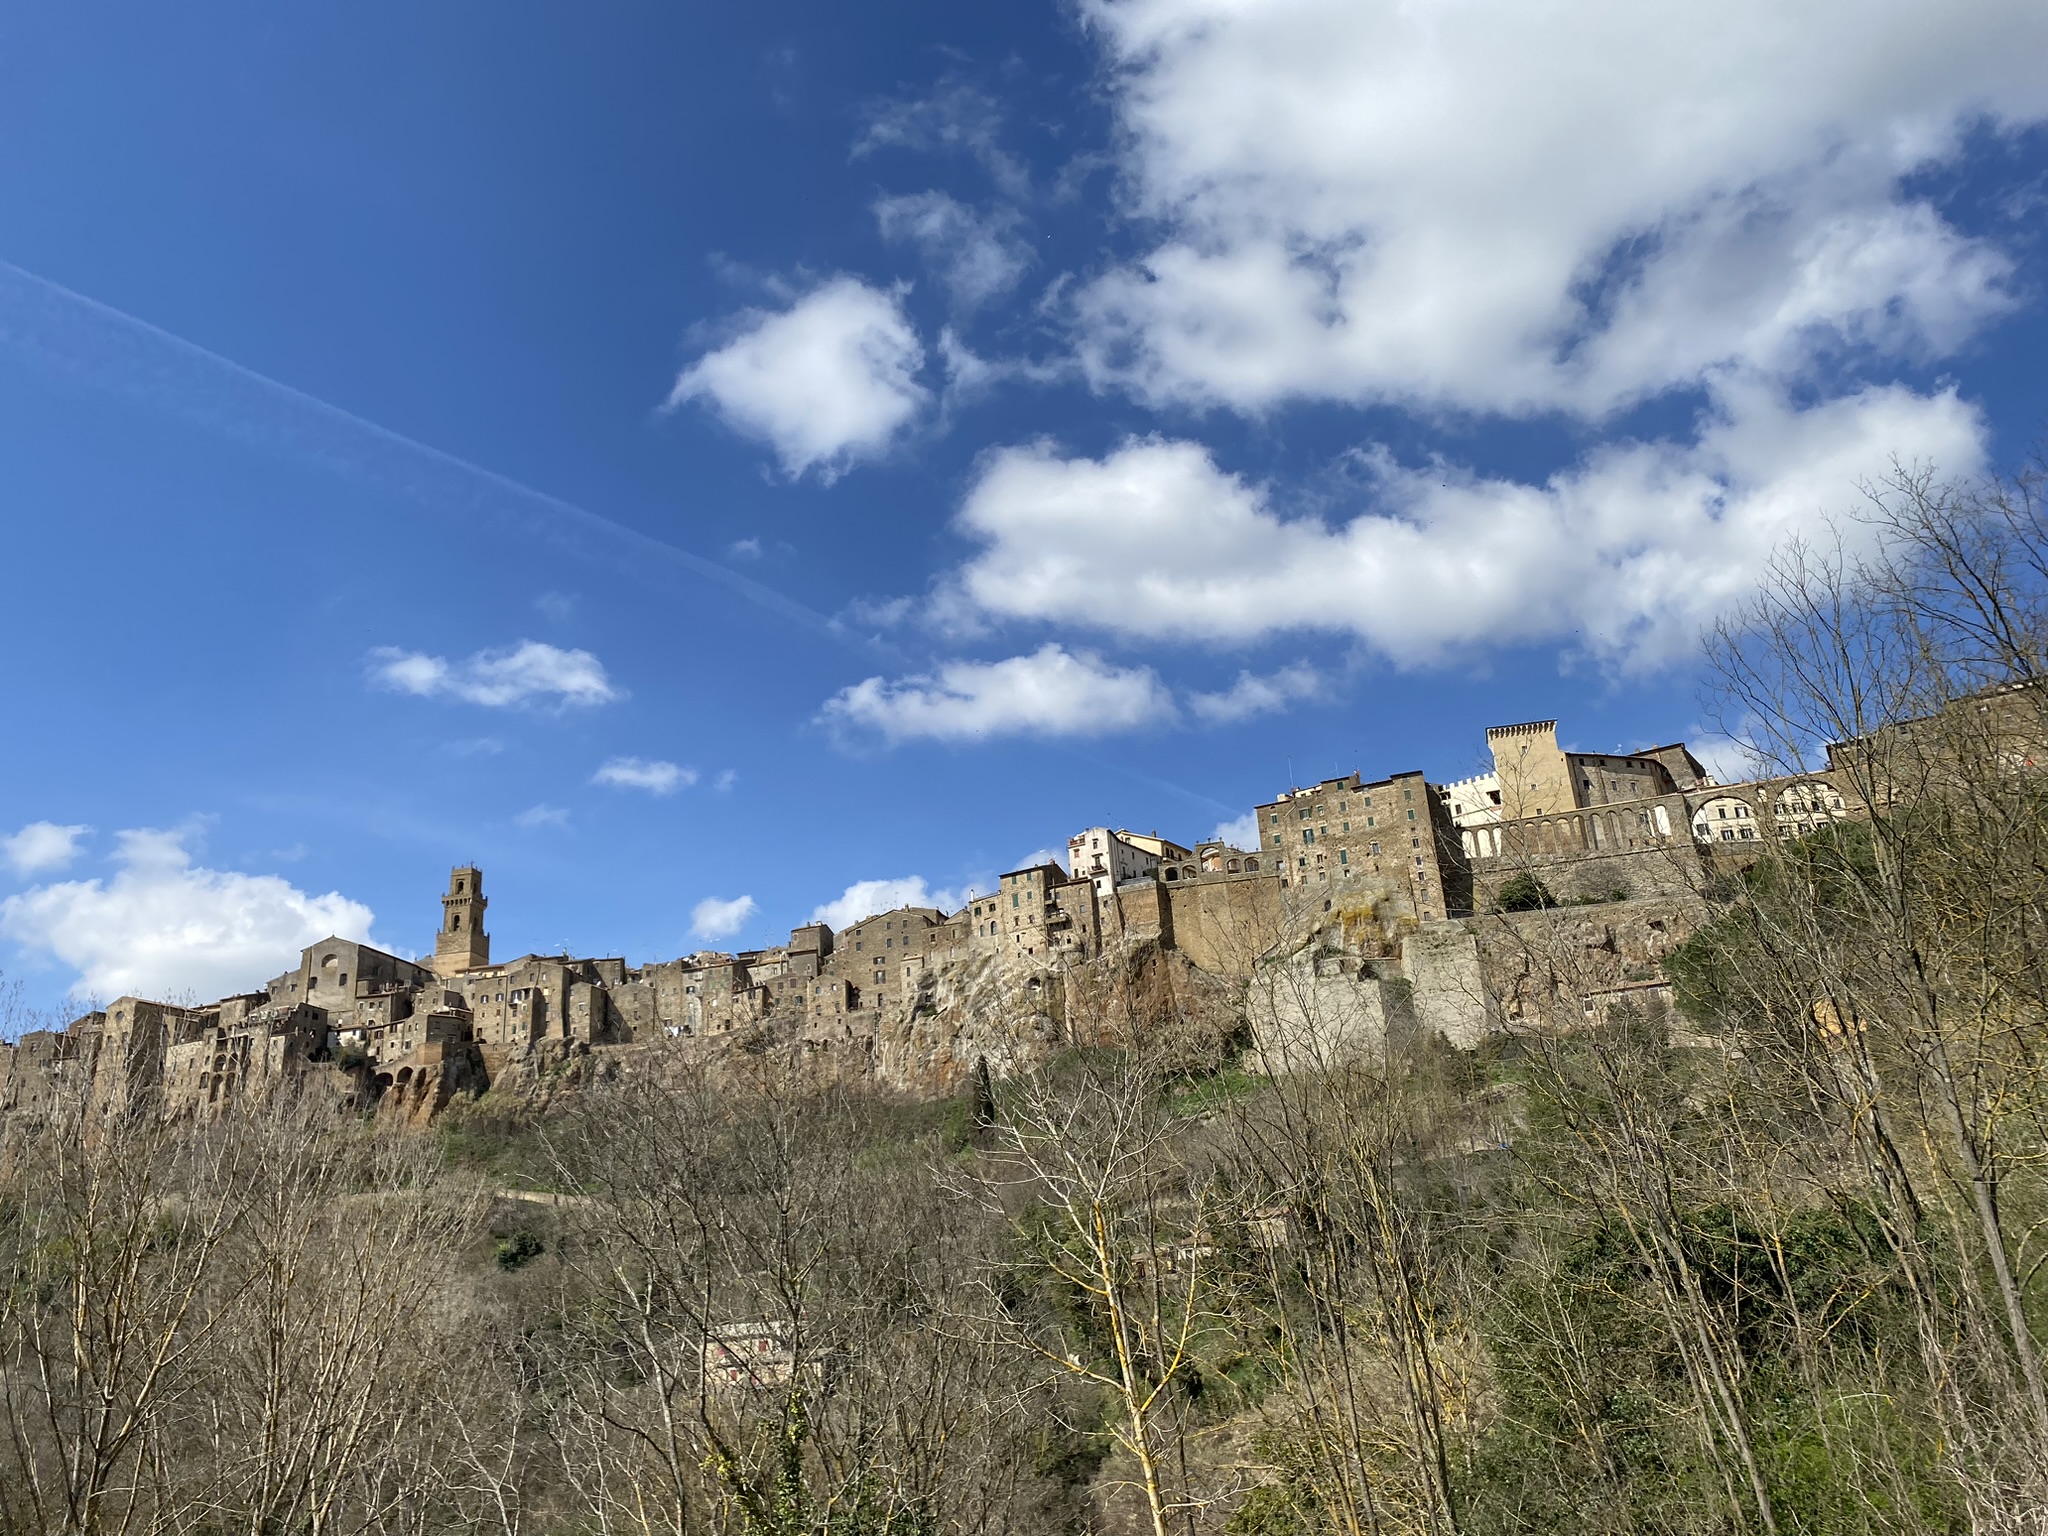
column 1109, row 856
column 462, row 945
column 1398, row 828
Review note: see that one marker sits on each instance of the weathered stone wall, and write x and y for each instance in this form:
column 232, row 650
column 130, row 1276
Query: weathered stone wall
column 1672, row 868
column 1225, row 923
column 1314, row 1010
column 1448, row 984
column 1544, row 965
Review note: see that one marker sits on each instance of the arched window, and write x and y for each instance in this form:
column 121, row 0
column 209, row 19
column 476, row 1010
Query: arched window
column 1250, row 865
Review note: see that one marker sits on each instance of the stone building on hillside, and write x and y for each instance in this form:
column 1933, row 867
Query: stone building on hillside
column 1398, row 828
column 1109, row 856
column 1596, row 824
column 462, row 945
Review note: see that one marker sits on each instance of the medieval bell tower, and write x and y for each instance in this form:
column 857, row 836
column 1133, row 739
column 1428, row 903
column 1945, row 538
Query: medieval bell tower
column 462, row 945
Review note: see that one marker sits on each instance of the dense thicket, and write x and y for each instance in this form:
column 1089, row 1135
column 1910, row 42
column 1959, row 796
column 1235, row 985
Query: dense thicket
column 1772, row 1265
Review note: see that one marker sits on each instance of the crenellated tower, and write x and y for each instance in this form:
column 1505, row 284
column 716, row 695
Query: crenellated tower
column 462, row 945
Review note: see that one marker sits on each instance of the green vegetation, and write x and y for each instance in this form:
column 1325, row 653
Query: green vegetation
column 1523, row 892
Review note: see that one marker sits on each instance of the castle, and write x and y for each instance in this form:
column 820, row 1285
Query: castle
column 1420, row 855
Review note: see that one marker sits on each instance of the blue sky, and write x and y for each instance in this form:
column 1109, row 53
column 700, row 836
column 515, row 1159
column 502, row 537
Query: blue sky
column 707, row 464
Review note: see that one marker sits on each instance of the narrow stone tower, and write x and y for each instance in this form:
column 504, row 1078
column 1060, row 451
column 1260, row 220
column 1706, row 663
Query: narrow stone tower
column 462, row 945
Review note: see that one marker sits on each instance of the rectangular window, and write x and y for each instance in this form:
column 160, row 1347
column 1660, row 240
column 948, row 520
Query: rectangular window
column 1343, row 856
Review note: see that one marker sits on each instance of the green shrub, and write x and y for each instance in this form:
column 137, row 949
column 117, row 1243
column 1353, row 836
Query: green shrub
column 1524, row 893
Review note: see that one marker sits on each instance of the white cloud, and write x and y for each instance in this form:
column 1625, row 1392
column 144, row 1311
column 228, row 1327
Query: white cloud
column 977, row 256
column 743, row 549
column 1253, row 695
column 864, row 898
column 1038, row 856
column 956, row 118
column 537, row 816
column 1051, row 692
column 1241, row 833
column 726, row 780
column 529, row 672
column 163, row 927
column 42, row 846
column 715, row 919
column 827, row 382
column 1626, row 556
column 1506, row 207
column 652, row 775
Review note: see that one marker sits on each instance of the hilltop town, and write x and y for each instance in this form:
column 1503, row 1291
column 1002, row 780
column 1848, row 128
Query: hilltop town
column 1379, row 880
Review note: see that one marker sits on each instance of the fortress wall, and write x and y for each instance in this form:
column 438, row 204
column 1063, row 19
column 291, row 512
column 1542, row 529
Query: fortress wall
column 1449, row 990
column 1313, row 1012
column 1543, row 965
column 1673, row 870
column 1224, row 924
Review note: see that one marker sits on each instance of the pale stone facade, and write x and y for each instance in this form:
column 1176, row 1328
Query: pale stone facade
column 1108, row 856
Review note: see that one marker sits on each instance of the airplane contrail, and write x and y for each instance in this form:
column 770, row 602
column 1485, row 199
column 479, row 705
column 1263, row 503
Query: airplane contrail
column 113, row 350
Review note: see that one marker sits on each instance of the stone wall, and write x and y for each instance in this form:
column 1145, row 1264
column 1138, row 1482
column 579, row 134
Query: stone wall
column 1448, row 984
column 1545, row 965
column 1224, row 923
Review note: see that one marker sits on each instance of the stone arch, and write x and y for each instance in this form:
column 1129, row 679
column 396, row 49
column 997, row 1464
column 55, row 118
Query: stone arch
column 1723, row 819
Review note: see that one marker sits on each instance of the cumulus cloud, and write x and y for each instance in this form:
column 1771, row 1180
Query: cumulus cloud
column 163, row 926
column 1241, row 833
column 712, row 918
column 1625, row 556
column 529, row 672
column 864, row 898
column 1051, row 692
column 652, row 775
column 1479, row 207
column 1254, row 695
column 41, row 846
column 978, row 256
column 827, row 382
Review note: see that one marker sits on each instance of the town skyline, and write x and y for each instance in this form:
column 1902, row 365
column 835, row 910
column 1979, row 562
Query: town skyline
column 700, row 465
